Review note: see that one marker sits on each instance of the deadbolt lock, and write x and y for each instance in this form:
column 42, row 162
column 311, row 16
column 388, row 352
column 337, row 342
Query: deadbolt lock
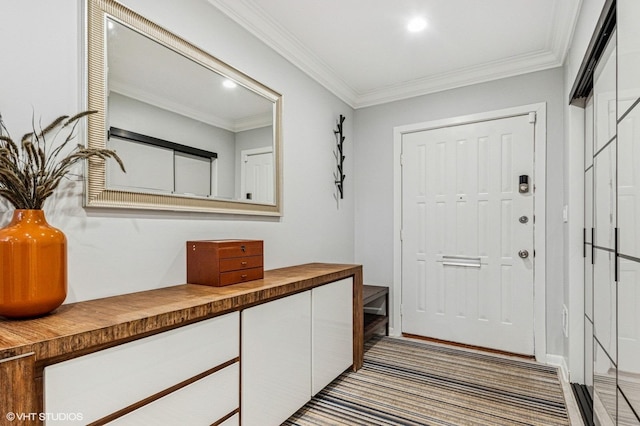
column 523, row 184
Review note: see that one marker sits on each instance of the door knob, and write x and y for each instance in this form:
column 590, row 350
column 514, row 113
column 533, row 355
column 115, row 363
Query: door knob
column 523, row 254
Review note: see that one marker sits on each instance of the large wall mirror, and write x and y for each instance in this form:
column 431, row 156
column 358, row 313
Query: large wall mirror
column 194, row 133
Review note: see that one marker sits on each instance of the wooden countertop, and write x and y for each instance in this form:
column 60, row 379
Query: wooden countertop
column 79, row 328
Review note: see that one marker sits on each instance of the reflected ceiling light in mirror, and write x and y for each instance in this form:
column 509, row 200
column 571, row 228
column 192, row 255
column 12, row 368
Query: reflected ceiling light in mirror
column 417, row 24
column 229, row 84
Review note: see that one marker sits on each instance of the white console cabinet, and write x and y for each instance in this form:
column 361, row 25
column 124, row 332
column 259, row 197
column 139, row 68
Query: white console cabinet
column 253, row 353
column 292, row 348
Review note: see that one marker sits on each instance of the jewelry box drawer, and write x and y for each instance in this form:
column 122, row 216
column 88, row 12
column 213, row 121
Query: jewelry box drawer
column 235, row 277
column 241, row 249
column 239, row 263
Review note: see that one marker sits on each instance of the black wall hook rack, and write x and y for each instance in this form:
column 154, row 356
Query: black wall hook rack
column 339, row 154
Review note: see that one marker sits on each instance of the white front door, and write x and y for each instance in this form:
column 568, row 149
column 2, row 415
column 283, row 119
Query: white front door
column 257, row 180
column 464, row 223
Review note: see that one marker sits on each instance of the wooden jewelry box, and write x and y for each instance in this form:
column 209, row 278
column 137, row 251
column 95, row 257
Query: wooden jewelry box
column 224, row 262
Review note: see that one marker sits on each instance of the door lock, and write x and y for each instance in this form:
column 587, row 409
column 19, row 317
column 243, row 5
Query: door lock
column 523, row 184
column 523, row 254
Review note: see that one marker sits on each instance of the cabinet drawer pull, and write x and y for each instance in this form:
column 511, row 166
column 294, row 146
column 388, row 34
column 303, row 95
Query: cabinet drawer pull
column 243, row 276
column 243, row 263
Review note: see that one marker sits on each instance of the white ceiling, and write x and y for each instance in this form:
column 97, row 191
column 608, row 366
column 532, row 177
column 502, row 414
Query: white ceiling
column 360, row 50
column 176, row 83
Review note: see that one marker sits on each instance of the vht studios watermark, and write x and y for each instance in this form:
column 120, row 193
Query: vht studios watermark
column 69, row 417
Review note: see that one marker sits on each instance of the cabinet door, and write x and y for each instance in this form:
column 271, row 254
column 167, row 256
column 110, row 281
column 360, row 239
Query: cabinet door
column 331, row 332
column 275, row 359
column 201, row 403
column 106, row 381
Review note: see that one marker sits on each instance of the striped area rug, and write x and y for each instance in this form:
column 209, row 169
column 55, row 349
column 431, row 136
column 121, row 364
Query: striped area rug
column 407, row 382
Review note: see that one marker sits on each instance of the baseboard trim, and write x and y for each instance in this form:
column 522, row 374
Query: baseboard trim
column 465, row 346
column 560, row 362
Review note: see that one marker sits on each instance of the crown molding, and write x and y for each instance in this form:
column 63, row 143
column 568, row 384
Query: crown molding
column 260, row 24
column 270, row 32
column 464, row 77
column 565, row 20
column 130, row 91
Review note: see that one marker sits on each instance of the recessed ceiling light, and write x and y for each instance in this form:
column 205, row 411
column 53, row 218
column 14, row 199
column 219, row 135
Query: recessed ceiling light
column 229, row 84
column 416, row 24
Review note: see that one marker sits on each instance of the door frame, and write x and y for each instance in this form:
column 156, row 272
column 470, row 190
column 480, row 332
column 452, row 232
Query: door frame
column 539, row 236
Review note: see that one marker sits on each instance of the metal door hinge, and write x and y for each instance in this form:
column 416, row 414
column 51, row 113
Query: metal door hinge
column 532, row 117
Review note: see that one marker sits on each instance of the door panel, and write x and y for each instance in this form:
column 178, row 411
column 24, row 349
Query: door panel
column 588, row 228
column 275, row 359
column 629, row 184
column 604, row 385
column 588, row 355
column 604, row 296
column 462, row 277
column 628, row 55
column 604, row 98
column 604, row 198
column 604, row 285
column 629, row 331
column 257, row 178
column 588, row 134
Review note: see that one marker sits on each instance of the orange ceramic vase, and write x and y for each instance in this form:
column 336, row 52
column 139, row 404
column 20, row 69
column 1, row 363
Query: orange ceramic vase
column 33, row 266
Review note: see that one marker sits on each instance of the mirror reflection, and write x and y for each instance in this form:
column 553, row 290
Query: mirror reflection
column 183, row 128
column 196, row 134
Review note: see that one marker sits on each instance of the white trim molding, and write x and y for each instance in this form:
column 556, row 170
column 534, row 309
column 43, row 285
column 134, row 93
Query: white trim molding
column 539, row 273
column 561, row 363
column 551, row 54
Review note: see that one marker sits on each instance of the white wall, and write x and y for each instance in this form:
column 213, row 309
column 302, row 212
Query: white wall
column 374, row 172
column 113, row 251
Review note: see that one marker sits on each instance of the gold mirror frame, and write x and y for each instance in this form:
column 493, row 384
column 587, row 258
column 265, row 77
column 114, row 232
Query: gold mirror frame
column 97, row 193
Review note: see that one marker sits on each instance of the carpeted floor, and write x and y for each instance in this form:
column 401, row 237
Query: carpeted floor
column 406, row 382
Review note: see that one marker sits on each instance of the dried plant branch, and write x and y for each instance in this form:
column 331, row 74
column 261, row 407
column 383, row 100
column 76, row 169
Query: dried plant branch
column 31, row 171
